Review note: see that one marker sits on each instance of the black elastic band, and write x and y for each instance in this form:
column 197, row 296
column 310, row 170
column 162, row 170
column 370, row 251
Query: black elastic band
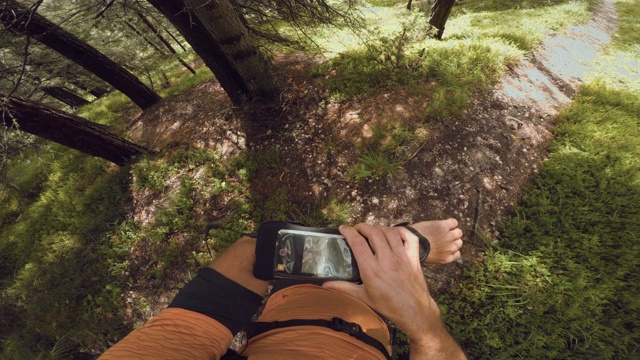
column 214, row 295
column 425, row 246
column 337, row 324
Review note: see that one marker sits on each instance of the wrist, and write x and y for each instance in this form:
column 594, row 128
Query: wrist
column 428, row 323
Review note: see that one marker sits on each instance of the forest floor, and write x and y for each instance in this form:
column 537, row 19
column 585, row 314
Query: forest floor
column 472, row 167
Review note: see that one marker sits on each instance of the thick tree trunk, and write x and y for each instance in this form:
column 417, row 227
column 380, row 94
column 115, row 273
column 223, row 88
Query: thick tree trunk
column 19, row 19
column 237, row 43
column 439, row 14
column 66, row 129
column 409, row 4
column 65, row 96
column 164, row 41
column 235, row 84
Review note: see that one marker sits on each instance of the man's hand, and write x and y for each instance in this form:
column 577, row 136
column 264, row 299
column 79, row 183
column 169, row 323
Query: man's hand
column 394, row 285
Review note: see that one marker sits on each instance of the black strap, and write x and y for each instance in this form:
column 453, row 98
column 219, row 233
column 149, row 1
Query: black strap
column 425, row 246
column 337, row 324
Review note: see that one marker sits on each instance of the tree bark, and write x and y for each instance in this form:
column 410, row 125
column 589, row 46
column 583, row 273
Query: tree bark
column 439, row 14
column 66, row 129
column 234, row 83
column 65, row 96
column 163, row 41
column 237, row 43
column 409, row 4
column 20, row 19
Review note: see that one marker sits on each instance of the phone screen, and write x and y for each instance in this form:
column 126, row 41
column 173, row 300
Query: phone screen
column 312, row 254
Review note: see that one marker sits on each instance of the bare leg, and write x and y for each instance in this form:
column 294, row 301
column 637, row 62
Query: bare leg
column 236, row 263
column 445, row 239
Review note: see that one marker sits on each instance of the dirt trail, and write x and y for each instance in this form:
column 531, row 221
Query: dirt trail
column 481, row 163
column 559, row 66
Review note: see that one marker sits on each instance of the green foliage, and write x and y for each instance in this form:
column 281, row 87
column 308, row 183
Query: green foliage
column 54, row 276
column 564, row 282
column 448, row 73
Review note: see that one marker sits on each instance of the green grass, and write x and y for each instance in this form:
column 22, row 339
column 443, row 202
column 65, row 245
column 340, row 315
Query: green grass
column 386, row 150
column 628, row 34
column 499, row 5
column 55, row 275
column 481, row 40
column 188, row 80
column 523, row 27
column 563, row 281
column 66, row 239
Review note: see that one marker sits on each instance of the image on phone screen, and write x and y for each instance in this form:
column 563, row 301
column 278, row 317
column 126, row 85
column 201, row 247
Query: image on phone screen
column 311, row 254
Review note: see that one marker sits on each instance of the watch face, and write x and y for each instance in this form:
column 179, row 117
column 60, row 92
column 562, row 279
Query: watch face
column 312, row 255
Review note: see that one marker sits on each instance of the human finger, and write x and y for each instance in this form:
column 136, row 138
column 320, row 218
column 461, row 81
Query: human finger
column 456, row 234
column 358, row 244
column 346, row 287
column 411, row 244
column 394, row 238
column 376, row 238
column 451, row 223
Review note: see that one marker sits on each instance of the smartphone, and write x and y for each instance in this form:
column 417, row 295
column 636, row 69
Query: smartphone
column 292, row 251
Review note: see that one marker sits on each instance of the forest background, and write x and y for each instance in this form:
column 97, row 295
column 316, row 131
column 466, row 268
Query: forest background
column 320, row 112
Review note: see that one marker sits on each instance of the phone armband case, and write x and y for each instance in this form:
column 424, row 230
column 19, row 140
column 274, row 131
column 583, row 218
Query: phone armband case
column 291, row 251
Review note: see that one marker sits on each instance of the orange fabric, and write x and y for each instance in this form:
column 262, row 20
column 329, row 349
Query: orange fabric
column 315, row 342
column 182, row 334
column 174, row 334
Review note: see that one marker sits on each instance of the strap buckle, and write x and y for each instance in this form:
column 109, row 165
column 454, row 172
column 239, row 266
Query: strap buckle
column 350, row 328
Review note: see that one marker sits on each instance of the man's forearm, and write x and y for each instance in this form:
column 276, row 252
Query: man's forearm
column 435, row 344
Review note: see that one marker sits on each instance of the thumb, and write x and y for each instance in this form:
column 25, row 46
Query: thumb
column 345, row 287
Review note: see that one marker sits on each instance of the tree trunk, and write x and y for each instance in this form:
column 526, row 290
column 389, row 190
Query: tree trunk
column 139, row 33
column 21, row 20
column 164, row 41
column 409, row 4
column 176, row 40
column 65, row 96
column 94, row 90
column 439, row 14
column 207, row 47
column 66, row 129
column 237, row 43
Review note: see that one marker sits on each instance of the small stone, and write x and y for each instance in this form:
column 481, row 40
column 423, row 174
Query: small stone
column 375, row 201
column 438, row 171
